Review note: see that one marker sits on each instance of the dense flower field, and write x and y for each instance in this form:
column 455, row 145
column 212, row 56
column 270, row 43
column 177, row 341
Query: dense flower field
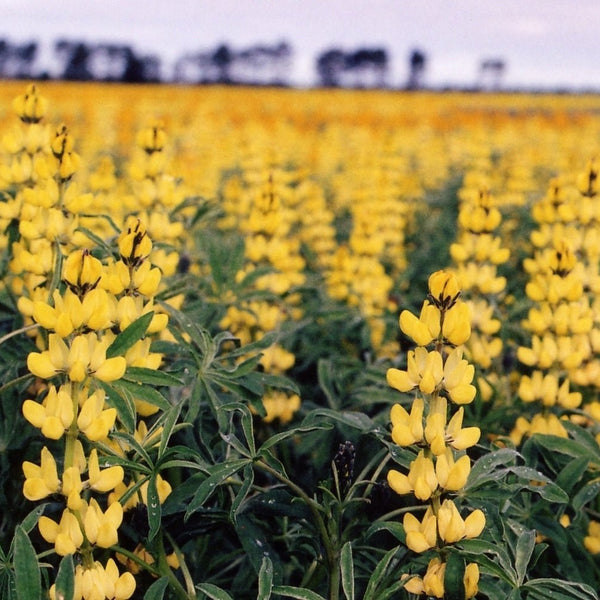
column 262, row 343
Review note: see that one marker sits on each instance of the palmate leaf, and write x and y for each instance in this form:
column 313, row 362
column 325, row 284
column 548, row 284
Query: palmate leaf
column 265, row 579
column 486, row 469
column 357, row 420
column 65, row 578
column 500, row 565
column 213, row 592
column 154, row 508
column 572, row 473
column 377, row 579
column 217, row 474
column 157, row 590
column 454, row 587
column 545, row 588
column 122, row 400
column 523, row 553
column 298, row 593
column 294, row 431
column 257, row 545
column 142, row 375
column 28, row 578
column 585, row 495
column 129, row 336
column 580, row 444
column 347, row 570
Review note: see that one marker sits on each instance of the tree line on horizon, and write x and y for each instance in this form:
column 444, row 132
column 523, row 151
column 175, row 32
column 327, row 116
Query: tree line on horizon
column 258, row 64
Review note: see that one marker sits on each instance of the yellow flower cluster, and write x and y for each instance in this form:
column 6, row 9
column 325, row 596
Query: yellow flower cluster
column 477, row 254
column 441, row 466
column 79, row 301
column 374, row 187
column 265, row 212
column 564, row 281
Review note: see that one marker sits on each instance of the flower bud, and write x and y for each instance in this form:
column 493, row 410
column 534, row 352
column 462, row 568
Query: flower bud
column 443, row 289
column 30, row 107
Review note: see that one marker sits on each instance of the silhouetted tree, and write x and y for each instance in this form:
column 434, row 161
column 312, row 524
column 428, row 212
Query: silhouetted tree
column 261, row 64
column 75, row 56
column 283, row 56
column 140, row 69
column 222, row 59
column 330, row 67
column 491, row 71
column 364, row 67
column 417, row 65
column 367, row 68
column 17, row 60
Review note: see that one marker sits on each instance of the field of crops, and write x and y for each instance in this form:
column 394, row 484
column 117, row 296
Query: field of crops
column 313, row 344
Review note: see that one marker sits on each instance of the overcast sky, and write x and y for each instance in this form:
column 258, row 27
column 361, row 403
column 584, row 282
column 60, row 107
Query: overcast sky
column 543, row 42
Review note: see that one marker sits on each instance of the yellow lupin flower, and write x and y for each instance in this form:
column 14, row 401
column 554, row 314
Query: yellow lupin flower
column 421, row 478
column 146, row 279
column 134, row 244
column 407, row 428
column 451, row 526
column 457, row 323
column 438, row 433
column 432, row 583
column 41, row 481
column 31, row 106
column 471, row 580
column 433, row 580
column 420, row 535
column 547, row 424
column 70, row 313
column 152, row 139
column 86, row 356
column 545, row 387
column 163, row 488
column 592, row 540
column 82, row 272
column 459, row 437
column 103, row 480
column 423, row 329
column 280, row 405
column 66, row 535
column 98, row 583
column 452, row 475
column 54, row 415
column 444, row 289
column 458, row 375
column 94, row 420
column 72, row 487
column 101, row 526
column 424, row 369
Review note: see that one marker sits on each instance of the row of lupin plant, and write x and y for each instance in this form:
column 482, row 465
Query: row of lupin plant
column 92, row 318
column 561, row 318
column 262, row 206
column 441, row 377
column 477, row 253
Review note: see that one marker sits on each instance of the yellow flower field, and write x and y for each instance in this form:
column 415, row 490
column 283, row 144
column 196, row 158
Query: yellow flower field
column 261, row 343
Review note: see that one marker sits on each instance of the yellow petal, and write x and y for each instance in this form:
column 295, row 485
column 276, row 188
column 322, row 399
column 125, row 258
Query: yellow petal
column 399, row 482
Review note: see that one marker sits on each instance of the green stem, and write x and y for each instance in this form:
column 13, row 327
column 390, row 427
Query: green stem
column 384, row 460
column 24, row 329
column 136, row 559
column 189, row 582
column 73, row 431
column 165, row 570
column 331, row 555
